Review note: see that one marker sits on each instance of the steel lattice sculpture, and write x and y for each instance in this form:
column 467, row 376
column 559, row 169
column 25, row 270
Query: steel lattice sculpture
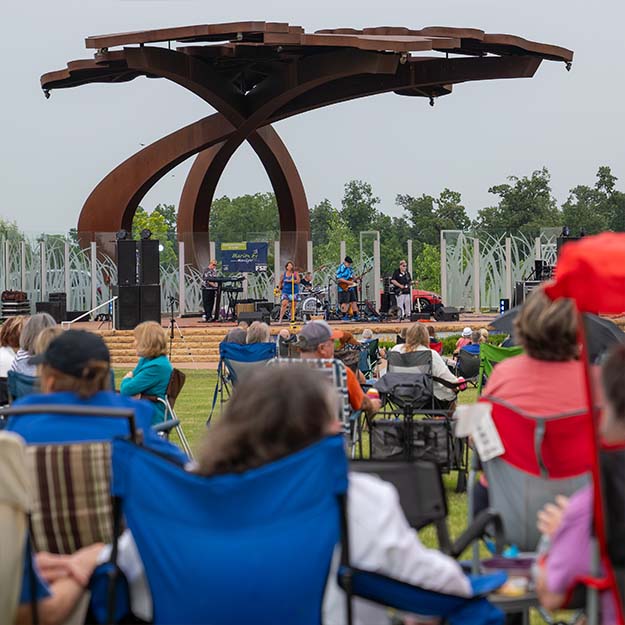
column 256, row 73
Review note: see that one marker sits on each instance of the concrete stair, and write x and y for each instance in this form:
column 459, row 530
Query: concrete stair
column 199, row 345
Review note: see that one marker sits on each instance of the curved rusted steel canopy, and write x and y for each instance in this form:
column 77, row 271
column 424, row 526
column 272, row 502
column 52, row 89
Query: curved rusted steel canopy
column 255, row 73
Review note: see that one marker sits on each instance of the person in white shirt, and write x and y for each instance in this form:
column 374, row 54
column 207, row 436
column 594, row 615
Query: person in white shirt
column 274, row 412
column 9, row 342
column 32, row 327
column 418, row 339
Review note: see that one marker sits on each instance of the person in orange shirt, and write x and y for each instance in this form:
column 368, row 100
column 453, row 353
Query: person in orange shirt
column 316, row 340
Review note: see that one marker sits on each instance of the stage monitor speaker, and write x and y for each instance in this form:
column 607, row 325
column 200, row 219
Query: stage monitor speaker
column 149, row 262
column 126, row 257
column 447, row 313
column 419, row 316
column 249, row 317
column 128, row 307
column 264, row 306
column 150, row 302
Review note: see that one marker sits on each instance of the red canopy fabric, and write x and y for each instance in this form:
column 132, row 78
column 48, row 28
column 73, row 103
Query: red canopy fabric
column 592, row 272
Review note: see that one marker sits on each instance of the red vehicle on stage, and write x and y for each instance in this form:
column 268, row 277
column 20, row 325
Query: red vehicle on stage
column 426, row 300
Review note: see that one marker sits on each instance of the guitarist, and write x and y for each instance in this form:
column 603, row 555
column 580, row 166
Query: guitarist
column 347, row 290
column 402, row 283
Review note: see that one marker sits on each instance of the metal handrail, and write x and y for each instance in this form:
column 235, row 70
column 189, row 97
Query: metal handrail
column 68, row 324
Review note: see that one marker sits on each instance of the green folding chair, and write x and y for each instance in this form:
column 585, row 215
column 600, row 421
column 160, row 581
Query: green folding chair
column 490, row 355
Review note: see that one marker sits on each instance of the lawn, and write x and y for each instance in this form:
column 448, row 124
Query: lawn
column 194, row 404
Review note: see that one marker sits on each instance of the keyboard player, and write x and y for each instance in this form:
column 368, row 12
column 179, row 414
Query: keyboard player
column 209, row 290
column 231, row 285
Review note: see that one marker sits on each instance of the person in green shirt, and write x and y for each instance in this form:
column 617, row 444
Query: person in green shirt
column 153, row 371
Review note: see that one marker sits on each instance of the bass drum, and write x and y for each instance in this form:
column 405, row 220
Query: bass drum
column 312, row 306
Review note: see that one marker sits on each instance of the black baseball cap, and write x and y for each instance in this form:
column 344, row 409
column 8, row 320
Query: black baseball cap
column 71, row 351
column 348, row 259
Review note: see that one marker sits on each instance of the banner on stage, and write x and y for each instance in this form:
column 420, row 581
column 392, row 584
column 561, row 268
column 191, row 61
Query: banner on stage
column 244, row 257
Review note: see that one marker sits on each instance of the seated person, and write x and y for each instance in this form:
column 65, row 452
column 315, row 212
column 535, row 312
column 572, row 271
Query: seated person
column 75, row 370
column 153, row 371
column 316, row 340
column 548, row 378
column 284, row 340
column 32, row 327
column 465, row 339
column 435, row 343
column 277, row 411
column 10, row 342
column 474, row 346
column 236, row 335
column 258, row 332
column 60, row 584
column 366, row 337
column 568, row 522
column 306, row 281
column 418, row 339
column 483, row 335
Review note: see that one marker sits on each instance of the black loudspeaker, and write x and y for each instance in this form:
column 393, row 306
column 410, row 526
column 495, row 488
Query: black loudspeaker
column 126, row 257
column 150, row 307
column 388, row 301
column 264, row 306
column 249, row 317
column 418, row 316
column 149, row 261
column 128, row 307
column 447, row 313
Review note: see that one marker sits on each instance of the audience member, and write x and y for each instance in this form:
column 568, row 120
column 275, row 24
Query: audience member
column 46, row 336
column 258, row 332
column 367, row 335
column 465, row 339
column 32, row 327
column 568, row 523
column 289, row 410
column 9, row 342
column 243, row 325
column 418, row 339
column 75, row 370
column 346, row 338
column 236, row 335
column 316, row 340
column 483, row 335
column 474, row 346
column 435, row 343
column 548, row 378
column 284, row 341
column 153, row 371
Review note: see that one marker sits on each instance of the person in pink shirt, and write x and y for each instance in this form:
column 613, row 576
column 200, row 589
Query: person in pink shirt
column 465, row 339
column 567, row 523
column 548, row 378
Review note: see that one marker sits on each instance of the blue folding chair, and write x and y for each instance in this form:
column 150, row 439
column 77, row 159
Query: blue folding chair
column 256, row 547
column 20, row 385
column 236, row 361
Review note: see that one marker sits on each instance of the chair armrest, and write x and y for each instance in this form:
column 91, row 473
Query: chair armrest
column 477, row 530
column 166, row 426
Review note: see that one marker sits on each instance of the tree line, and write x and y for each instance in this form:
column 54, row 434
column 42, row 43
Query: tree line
column 521, row 204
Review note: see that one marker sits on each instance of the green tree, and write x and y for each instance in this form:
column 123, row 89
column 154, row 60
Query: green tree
column 329, row 253
column 9, row 230
column 428, row 215
column 595, row 209
column 524, row 204
column 235, row 219
column 156, row 223
column 359, row 206
column 320, row 218
column 427, row 268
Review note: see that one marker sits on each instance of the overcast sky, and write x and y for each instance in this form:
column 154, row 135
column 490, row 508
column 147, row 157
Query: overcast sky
column 55, row 151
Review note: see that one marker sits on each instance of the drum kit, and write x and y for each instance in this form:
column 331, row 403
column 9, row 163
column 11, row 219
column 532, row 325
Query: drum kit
column 311, row 303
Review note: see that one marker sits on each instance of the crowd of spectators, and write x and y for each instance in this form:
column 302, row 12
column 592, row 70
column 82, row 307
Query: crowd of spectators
column 277, row 411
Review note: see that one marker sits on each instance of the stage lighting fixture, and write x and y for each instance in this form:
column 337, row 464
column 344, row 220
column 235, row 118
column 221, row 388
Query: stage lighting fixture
column 566, row 231
column 121, row 235
column 145, row 234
